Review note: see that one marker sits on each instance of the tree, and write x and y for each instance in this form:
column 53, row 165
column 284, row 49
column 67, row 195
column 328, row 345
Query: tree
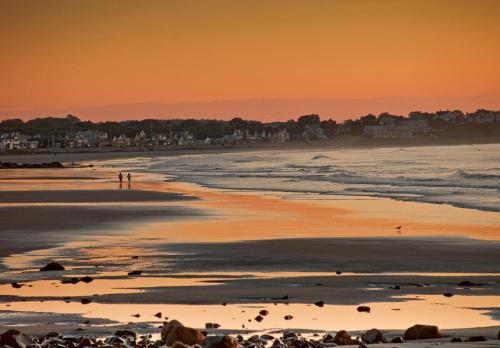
column 305, row 120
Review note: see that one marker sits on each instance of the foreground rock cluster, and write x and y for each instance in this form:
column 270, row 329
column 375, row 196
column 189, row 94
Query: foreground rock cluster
column 12, row 165
column 176, row 335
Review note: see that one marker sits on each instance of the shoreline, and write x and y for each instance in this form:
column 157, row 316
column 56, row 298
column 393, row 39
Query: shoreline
column 221, row 207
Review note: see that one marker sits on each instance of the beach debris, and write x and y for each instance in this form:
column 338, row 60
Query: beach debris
column 212, row 326
column 16, row 285
column 364, row 309
column 447, row 294
column 15, row 339
column 70, row 280
column 319, row 303
column 476, row 339
column 52, row 266
column 342, row 338
column 467, row 283
column 85, row 301
column 421, row 332
column 373, row 336
column 397, row 339
column 136, row 315
column 220, row 342
column 134, row 273
column 264, row 312
column 86, row 279
column 288, row 317
column 259, row 318
column 174, row 331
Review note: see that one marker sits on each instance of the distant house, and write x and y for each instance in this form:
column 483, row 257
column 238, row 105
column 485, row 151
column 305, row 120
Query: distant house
column 313, row 132
column 450, row 116
column 483, row 116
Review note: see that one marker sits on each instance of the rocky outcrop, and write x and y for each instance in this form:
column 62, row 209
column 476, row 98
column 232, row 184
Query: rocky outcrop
column 52, row 266
column 220, row 342
column 16, row 339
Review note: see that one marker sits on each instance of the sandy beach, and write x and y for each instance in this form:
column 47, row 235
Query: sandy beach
column 202, row 247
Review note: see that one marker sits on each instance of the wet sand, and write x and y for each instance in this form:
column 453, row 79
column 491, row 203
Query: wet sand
column 82, row 218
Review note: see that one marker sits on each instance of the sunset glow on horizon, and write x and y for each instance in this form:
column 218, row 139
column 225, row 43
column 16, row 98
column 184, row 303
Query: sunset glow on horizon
column 266, row 60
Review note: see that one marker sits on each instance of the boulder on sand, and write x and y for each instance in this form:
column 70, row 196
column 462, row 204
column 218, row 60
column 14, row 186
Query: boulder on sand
column 373, row 336
column 342, row 338
column 174, row 331
column 52, row 266
column 220, row 342
column 422, row 332
column 16, row 339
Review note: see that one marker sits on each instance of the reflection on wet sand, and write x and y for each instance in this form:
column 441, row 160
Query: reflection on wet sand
column 456, row 312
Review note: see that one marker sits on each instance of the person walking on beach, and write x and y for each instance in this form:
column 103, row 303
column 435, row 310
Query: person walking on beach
column 129, row 177
column 120, row 177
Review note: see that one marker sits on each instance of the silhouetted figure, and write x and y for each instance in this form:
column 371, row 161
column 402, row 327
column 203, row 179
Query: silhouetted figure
column 120, row 177
column 129, row 177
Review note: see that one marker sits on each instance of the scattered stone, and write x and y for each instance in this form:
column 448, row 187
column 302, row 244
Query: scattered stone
column 365, row 309
column 319, row 303
column 338, row 272
column 220, row 342
column 396, row 287
column 259, row 318
column 373, row 336
column 422, row 332
column 174, row 331
column 86, row 279
column 447, row 294
column 85, row 342
column 342, row 338
column 476, row 339
column 129, row 335
column 288, row 317
column 398, row 339
column 285, row 297
column 52, row 266
column 456, row 340
column 212, row 326
column 134, row 273
column 16, row 285
column 136, row 315
column 289, row 335
column 85, row 301
column 180, row 345
column 264, row 312
column 267, row 337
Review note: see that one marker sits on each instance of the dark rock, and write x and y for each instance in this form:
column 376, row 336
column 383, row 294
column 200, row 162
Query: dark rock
column 447, row 294
column 342, row 338
column 134, row 273
column 456, row 340
column 327, row 338
column 16, row 285
column 338, row 272
column 365, row 309
column 86, row 279
column 52, row 266
column 398, row 339
column 259, row 318
column 467, row 283
column 264, row 312
column 212, row 326
column 422, row 332
column 85, row 342
column 158, row 315
column 267, row 337
column 289, row 335
column 16, row 339
column 319, row 303
column 129, row 335
column 288, row 317
column 174, row 331
column 373, row 336
column 396, row 287
column 180, row 345
column 476, row 339
column 85, row 301
column 285, row 297
column 70, row 280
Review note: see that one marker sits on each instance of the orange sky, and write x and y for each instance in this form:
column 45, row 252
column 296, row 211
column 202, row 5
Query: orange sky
column 263, row 59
